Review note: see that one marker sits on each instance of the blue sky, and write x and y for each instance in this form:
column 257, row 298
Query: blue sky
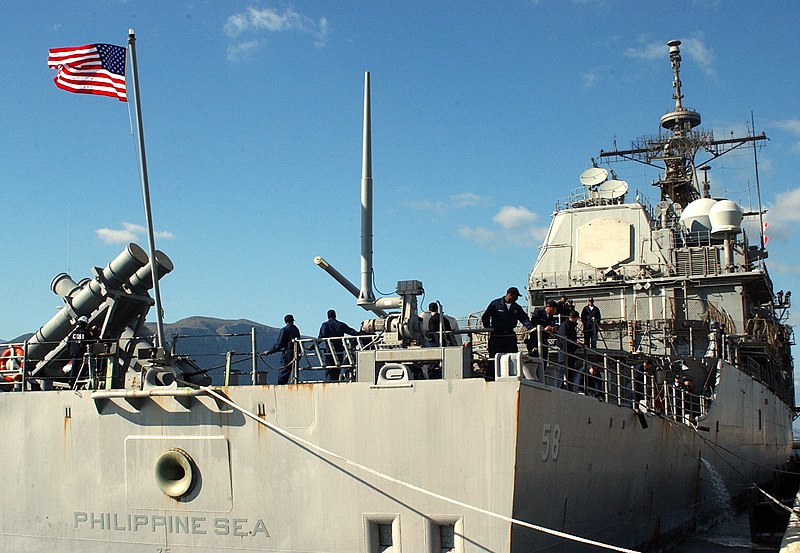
column 484, row 115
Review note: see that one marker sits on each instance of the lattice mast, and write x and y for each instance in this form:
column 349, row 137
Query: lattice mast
column 675, row 152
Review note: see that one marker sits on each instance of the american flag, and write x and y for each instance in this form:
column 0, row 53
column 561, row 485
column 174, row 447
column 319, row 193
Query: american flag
column 90, row 69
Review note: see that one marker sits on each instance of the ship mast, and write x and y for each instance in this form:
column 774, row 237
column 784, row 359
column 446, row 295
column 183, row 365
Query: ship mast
column 675, row 152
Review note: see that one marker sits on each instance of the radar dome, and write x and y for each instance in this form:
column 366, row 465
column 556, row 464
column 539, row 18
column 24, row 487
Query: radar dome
column 695, row 215
column 725, row 216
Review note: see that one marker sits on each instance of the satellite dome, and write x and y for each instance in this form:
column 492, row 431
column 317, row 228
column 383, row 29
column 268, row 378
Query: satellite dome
column 695, row 215
column 612, row 189
column 593, row 176
column 725, row 216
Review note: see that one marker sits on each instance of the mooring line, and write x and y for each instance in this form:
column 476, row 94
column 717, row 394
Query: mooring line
column 408, row 485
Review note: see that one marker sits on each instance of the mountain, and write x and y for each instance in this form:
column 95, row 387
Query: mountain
column 206, row 341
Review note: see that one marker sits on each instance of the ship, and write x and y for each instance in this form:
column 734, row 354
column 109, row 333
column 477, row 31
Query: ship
column 427, row 444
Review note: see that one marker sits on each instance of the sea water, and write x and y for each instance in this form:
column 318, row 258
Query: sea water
column 732, row 535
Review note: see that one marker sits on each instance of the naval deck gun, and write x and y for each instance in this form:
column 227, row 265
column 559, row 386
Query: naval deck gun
column 400, row 346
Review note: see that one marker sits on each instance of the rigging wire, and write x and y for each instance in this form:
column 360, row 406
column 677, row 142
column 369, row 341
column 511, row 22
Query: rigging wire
column 737, row 471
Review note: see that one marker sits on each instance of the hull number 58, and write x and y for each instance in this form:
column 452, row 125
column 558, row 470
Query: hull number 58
column 551, row 438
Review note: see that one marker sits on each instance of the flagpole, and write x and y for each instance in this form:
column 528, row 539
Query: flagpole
column 146, row 190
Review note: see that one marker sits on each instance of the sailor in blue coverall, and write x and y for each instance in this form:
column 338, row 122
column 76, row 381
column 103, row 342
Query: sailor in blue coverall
column 286, row 347
column 502, row 315
column 333, row 328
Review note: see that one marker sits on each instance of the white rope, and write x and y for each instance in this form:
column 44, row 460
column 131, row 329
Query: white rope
column 778, row 502
column 374, row 472
column 749, row 481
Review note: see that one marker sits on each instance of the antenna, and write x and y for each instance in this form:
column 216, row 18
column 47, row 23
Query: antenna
column 366, row 296
column 706, row 185
column 681, row 119
column 675, row 154
column 758, row 186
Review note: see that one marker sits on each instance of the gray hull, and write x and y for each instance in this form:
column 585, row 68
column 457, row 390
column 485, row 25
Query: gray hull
column 546, row 456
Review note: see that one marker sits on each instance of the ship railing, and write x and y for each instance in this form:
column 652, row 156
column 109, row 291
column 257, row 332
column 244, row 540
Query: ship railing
column 614, row 382
column 595, row 373
column 95, row 368
column 565, row 279
column 315, row 354
column 246, row 351
column 13, row 361
column 682, row 405
column 583, row 197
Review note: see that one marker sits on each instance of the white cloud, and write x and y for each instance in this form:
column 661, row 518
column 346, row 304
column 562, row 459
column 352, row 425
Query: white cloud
column 466, row 199
column 254, row 20
column 654, row 50
column 453, row 202
column 129, row 232
column 699, row 53
column 428, row 205
column 516, row 227
column 119, row 236
column 479, row 235
column 322, row 33
column 512, row 217
column 590, row 79
column 242, row 51
column 784, row 215
column 791, row 125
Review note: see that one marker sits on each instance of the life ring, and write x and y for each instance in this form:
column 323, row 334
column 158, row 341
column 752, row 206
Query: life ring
column 9, row 353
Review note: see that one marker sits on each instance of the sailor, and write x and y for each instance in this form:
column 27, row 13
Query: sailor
column 677, row 393
column 502, row 315
column 543, row 317
column 431, row 321
column 568, row 337
column 434, row 326
column 590, row 316
column 562, row 309
column 691, row 400
column 333, row 328
column 594, row 381
column 285, row 345
column 77, row 343
column 640, row 373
